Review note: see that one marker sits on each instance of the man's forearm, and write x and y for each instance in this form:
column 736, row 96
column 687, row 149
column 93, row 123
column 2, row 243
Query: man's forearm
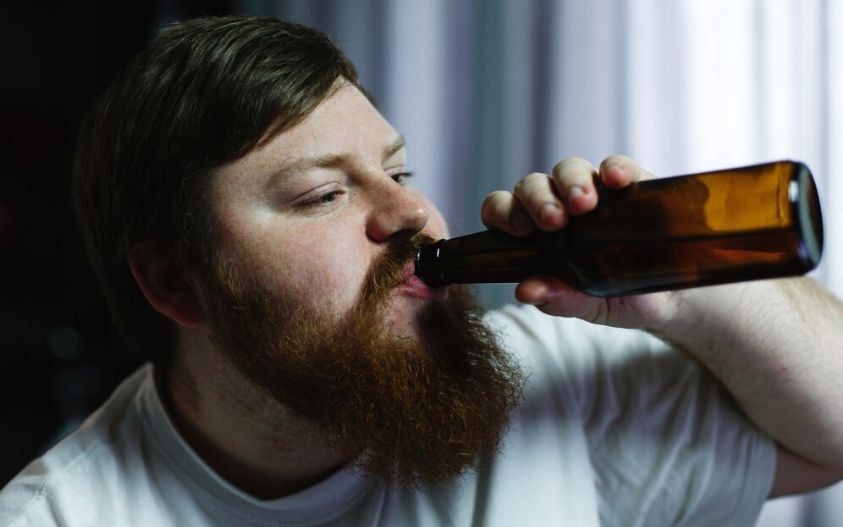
column 777, row 346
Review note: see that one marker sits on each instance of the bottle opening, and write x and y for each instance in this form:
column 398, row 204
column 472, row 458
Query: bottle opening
column 426, row 264
column 805, row 198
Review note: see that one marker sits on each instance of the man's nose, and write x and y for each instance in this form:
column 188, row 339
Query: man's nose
column 395, row 208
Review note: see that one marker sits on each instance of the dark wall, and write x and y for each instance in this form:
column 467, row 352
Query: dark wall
column 59, row 357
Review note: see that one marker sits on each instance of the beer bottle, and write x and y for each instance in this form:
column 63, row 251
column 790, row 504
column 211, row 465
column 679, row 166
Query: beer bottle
column 746, row 223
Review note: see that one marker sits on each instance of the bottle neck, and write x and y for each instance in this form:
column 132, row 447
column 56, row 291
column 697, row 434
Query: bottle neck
column 483, row 257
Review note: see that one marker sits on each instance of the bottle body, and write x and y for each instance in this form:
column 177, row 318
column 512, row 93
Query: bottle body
column 761, row 221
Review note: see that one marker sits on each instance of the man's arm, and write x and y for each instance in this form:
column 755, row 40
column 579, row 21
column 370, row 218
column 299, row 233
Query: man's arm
column 776, row 345
column 795, row 475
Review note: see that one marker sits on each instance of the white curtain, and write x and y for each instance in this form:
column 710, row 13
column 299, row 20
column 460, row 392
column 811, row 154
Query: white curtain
column 486, row 91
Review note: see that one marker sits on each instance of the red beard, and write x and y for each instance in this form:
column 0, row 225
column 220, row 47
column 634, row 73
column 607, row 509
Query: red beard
column 411, row 411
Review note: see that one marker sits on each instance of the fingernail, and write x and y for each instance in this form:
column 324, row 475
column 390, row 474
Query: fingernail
column 574, row 193
column 549, row 211
column 615, row 170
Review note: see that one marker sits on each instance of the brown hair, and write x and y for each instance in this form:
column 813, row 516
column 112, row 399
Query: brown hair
column 202, row 94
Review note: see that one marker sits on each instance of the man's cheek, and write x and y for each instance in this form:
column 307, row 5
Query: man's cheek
column 331, row 291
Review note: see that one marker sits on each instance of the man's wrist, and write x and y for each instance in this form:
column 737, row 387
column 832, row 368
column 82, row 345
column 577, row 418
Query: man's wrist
column 700, row 318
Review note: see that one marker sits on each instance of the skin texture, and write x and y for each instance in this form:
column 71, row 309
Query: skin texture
column 310, row 230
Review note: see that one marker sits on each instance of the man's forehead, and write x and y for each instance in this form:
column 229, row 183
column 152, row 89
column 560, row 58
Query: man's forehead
column 344, row 122
column 344, row 129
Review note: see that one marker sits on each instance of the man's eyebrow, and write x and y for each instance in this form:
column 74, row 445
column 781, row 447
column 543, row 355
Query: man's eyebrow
column 332, row 160
column 394, row 147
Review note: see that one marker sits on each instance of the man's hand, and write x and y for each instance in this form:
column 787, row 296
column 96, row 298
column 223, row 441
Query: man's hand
column 545, row 202
column 776, row 345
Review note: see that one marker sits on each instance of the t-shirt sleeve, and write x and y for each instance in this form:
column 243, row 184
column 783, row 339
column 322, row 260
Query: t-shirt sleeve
column 667, row 444
column 22, row 502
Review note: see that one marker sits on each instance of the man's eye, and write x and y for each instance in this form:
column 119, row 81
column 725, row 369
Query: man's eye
column 401, row 177
column 329, row 197
column 322, row 199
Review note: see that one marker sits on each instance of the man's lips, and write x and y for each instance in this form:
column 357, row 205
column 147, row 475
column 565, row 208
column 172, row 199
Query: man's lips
column 412, row 285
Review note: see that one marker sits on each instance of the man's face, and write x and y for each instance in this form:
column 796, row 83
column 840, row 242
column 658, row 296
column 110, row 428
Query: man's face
column 311, row 297
column 309, row 212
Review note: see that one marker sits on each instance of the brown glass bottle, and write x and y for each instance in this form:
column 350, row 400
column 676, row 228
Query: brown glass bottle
column 747, row 223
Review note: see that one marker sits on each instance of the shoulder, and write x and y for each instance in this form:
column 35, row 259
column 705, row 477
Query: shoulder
column 76, row 476
column 527, row 322
column 574, row 360
column 568, row 343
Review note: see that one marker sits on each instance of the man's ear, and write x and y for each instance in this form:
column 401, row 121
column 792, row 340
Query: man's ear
column 165, row 285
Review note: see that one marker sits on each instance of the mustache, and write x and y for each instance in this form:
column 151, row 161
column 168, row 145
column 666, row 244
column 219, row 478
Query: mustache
column 387, row 271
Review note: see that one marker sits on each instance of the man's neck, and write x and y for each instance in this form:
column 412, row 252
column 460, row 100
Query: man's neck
column 245, row 436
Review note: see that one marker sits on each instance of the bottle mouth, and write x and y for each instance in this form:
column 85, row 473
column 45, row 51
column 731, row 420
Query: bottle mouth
column 426, row 267
column 805, row 200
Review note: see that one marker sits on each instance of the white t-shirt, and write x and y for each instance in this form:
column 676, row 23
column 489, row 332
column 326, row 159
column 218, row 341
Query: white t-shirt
column 615, row 430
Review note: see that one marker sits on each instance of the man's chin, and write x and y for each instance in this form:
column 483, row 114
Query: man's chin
column 403, row 316
column 405, row 313
column 404, row 325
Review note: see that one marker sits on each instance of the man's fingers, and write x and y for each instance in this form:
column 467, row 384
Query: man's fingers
column 502, row 211
column 554, row 297
column 538, row 197
column 574, row 181
column 543, row 201
column 618, row 171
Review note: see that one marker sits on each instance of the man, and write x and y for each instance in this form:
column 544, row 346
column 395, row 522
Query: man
column 245, row 207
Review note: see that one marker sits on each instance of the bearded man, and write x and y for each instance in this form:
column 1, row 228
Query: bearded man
column 247, row 211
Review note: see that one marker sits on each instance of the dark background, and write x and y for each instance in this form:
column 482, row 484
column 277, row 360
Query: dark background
column 59, row 357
